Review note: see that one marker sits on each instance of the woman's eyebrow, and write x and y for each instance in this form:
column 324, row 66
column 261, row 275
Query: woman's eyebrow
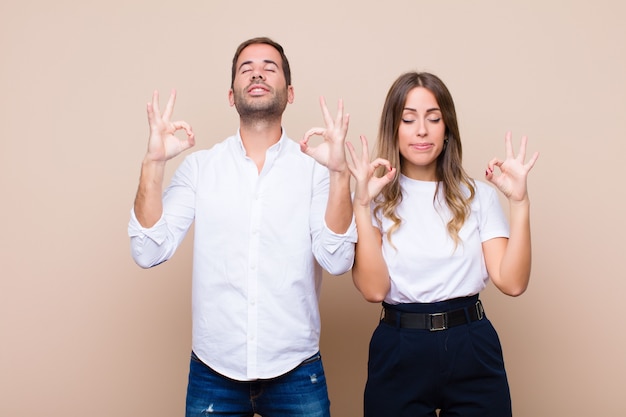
column 427, row 110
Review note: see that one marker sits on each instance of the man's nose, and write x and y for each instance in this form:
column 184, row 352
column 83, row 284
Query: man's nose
column 258, row 76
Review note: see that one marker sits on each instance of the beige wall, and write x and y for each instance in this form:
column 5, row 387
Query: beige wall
column 86, row 332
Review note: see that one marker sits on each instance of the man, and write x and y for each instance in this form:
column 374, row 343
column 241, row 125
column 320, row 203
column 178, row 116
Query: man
column 269, row 215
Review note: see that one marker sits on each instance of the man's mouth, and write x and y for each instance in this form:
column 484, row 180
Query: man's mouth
column 258, row 89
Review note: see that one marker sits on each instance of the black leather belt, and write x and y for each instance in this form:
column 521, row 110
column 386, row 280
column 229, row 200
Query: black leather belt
column 434, row 321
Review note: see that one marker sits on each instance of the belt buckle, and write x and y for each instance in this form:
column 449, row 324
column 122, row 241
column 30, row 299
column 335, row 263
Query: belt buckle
column 438, row 321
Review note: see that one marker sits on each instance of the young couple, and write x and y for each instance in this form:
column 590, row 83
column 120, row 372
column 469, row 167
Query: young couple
column 269, row 214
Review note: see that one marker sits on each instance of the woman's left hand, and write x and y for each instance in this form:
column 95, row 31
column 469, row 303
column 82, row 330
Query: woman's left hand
column 513, row 171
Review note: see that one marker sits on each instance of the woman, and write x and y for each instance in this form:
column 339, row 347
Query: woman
column 430, row 238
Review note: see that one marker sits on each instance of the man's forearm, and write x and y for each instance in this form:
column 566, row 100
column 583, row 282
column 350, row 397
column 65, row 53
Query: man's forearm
column 338, row 215
column 148, row 202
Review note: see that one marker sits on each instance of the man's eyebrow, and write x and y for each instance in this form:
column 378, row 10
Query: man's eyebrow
column 267, row 61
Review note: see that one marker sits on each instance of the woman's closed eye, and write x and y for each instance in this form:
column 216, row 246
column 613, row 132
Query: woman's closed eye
column 430, row 119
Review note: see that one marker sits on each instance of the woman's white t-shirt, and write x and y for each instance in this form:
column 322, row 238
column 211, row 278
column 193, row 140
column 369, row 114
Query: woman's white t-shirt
column 424, row 266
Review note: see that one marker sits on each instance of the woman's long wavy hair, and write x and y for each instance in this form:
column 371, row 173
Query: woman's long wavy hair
column 457, row 187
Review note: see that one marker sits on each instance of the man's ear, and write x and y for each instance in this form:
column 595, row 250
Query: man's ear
column 231, row 97
column 290, row 94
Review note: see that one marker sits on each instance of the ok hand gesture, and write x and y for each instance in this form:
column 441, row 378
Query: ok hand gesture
column 331, row 152
column 368, row 186
column 163, row 144
column 513, row 171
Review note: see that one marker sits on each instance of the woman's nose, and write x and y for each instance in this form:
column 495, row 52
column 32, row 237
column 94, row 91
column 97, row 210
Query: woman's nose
column 421, row 129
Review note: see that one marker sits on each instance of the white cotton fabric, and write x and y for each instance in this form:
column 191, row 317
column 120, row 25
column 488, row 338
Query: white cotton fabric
column 259, row 241
column 427, row 268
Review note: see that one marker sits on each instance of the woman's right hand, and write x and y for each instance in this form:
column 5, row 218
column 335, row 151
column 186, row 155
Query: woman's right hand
column 163, row 143
column 368, row 186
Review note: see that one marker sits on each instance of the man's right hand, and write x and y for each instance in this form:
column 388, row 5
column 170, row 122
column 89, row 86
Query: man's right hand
column 163, row 143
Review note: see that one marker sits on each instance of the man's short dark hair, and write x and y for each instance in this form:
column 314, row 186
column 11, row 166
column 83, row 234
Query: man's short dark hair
column 266, row 41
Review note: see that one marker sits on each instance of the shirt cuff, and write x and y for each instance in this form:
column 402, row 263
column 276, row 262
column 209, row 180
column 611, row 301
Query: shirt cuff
column 157, row 233
column 333, row 241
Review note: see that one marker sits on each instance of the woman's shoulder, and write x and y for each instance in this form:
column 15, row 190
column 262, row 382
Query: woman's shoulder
column 483, row 187
column 485, row 194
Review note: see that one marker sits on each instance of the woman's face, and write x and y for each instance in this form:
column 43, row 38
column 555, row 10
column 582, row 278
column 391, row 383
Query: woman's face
column 421, row 135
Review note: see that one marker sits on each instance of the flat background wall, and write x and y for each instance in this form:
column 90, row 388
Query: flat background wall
column 84, row 331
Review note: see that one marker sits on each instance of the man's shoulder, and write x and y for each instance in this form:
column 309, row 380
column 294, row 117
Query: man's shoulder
column 292, row 148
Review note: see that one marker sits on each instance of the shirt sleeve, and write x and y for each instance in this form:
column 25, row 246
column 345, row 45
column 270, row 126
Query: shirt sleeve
column 492, row 221
column 154, row 245
column 333, row 251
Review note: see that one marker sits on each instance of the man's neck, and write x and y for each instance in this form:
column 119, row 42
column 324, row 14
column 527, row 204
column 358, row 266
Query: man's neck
column 258, row 136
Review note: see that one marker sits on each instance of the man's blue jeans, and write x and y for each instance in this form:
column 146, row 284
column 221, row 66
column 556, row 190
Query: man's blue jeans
column 300, row 392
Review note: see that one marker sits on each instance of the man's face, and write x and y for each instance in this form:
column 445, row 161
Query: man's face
column 260, row 90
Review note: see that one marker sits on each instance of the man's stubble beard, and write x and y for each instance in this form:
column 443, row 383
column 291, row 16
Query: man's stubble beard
column 251, row 109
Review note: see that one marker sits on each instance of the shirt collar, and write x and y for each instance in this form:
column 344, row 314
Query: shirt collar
column 275, row 149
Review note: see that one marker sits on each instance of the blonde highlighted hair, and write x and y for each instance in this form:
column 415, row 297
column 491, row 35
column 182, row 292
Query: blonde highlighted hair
column 457, row 187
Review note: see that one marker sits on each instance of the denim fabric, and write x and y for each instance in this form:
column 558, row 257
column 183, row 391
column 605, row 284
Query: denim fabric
column 300, row 392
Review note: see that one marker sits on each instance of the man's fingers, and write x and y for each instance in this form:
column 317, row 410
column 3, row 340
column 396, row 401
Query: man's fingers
column 178, row 125
column 169, row 108
column 521, row 154
column 340, row 118
column 531, row 162
column 155, row 104
column 339, row 121
column 327, row 117
column 311, row 132
column 150, row 112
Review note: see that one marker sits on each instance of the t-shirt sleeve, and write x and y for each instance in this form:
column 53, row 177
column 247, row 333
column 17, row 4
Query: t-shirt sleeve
column 493, row 223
